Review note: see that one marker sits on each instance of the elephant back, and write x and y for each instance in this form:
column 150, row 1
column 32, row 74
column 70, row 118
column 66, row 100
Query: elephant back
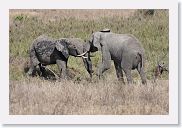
column 133, row 43
column 42, row 41
column 77, row 42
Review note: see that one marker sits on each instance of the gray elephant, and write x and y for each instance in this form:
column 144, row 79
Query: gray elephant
column 46, row 51
column 124, row 49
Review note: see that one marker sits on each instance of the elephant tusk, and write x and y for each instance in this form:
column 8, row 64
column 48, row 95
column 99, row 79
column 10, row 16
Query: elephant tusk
column 84, row 57
column 82, row 54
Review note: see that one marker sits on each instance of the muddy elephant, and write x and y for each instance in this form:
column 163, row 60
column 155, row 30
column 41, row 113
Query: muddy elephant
column 124, row 49
column 46, row 51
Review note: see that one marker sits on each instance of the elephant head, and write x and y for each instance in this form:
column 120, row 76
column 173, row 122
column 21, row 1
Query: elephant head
column 96, row 41
column 70, row 47
column 74, row 47
column 93, row 43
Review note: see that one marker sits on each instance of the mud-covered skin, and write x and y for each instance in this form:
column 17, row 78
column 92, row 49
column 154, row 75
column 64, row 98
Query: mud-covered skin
column 45, row 51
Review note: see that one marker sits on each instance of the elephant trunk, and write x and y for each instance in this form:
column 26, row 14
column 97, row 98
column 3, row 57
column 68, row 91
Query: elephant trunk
column 88, row 64
column 87, row 47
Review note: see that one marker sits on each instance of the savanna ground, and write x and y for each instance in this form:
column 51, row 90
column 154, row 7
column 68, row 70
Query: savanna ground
column 80, row 95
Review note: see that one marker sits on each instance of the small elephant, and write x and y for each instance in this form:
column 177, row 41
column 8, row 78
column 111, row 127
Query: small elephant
column 124, row 49
column 46, row 51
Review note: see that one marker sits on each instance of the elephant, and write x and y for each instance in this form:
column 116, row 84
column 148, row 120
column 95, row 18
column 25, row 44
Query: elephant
column 124, row 49
column 46, row 51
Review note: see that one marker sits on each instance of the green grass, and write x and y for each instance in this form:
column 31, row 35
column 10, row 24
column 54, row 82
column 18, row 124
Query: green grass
column 152, row 31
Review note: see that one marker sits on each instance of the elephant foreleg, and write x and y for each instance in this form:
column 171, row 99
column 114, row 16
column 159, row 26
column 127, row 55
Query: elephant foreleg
column 88, row 65
column 119, row 71
column 104, row 66
column 106, row 61
column 43, row 71
column 62, row 65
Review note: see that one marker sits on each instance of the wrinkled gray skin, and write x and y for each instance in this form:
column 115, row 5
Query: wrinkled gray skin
column 46, row 51
column 124, row 49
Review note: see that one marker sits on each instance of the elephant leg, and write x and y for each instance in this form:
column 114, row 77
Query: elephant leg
column 119, row 72
column 30, row 71
column 33, row 61
column 127, row 67
column 142, row 74
column 62, row 65
column 43, row 71
column 128, row 75
column 106, row 61
column 104, row 66
column 88, row 65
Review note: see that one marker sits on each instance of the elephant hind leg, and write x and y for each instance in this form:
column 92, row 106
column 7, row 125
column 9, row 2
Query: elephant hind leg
column 33, row 62
column 128, row 75
column 142, row 74
column 119, row 71
column 31, row 71
column 126, row 66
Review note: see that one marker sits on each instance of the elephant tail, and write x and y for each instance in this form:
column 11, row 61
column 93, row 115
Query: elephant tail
column 141, row 60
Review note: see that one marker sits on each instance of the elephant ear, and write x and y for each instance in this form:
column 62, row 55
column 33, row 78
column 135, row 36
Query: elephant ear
column 61, row 46
column 87, row 46
column 96, row 40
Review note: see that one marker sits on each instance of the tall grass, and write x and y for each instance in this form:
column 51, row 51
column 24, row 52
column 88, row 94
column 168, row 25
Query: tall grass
column 108, row 97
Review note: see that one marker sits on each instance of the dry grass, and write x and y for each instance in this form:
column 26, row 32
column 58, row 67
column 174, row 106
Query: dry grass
column 108, row 97
column 81, row 14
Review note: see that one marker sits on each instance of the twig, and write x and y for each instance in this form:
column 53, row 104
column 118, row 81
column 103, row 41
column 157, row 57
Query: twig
column 57, row 77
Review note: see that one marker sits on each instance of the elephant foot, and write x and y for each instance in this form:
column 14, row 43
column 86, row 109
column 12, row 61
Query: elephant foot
column 65, row 78
column 130, row 83
column 122, row 82
column 144, row 82
column 30, row 74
